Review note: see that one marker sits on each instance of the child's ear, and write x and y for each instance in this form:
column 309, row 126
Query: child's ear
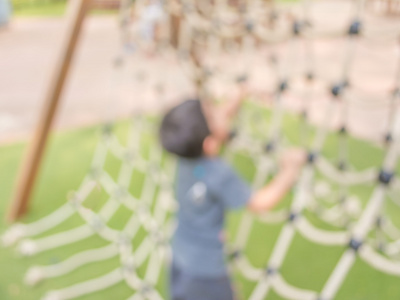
column 211, row 146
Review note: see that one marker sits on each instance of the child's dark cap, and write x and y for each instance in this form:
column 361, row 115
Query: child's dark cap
column 184, row 128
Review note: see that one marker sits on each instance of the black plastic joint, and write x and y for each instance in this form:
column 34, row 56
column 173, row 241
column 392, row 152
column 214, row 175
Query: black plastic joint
column 337, row 90
column 355, row 28
column 343, row 130
column 269, row 147
column 355, row 244
column 385, row 177
column 297, row 26
column 232, row 134
column 312, row 156
column 235, row 254
column 388, row 138
column 304, row 115
column 342, row 166
column 283, row 86
column 107, row 129
column 146, row 289
column 249, row 26
column 242, row 78
column 310, row 76
column 379, row 221
column 293, row 217
column 270, row 271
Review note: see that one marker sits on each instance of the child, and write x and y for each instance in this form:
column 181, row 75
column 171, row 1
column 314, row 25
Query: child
column 206, row 188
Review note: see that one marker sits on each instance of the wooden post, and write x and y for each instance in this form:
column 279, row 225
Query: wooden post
column 30, row 166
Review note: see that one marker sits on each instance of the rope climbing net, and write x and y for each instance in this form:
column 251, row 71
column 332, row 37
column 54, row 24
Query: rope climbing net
column 199, row 34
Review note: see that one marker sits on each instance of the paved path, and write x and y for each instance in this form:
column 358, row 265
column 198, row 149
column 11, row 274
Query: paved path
column 28, row 49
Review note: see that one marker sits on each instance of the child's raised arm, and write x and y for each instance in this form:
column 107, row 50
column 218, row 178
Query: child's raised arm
column 220, row 117
column 267, row 197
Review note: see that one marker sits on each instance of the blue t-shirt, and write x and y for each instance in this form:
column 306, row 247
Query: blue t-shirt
column 205, row 189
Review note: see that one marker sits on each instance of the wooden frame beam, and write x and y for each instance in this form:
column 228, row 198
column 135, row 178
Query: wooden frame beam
column 76, row 12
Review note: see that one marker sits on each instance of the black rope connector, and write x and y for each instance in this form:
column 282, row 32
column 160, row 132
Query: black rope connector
column 242, row 78
column 379, row 222
column 292, row 217
column 385, row 177
column 355, row 244
column 310, row 76
column 388, row 138
column 343, row 130
column 355, row 28
column 269, row 147
column 283, row 86
column 342, row 166
column 338, row 89
column 311, row 158
column 235, row 254
column 297, row 26
column 249, row 26
column 304, row 115
column 107, row 129
column 270, row 271
column 232, row 134
column 146, row 289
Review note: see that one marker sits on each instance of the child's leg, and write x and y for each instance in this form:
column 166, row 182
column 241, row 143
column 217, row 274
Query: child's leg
column 176, row 286
column 208, row 288
column 185, row 286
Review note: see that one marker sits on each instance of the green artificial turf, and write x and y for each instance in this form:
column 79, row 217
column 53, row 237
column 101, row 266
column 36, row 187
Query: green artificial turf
column 67, row 160
column 56, row 8
column 47, row 8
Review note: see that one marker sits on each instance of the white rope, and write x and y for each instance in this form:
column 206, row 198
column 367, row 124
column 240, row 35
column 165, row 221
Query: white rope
column 379, row 262
column 344, row 177
column 290, row 292
column 324, row 237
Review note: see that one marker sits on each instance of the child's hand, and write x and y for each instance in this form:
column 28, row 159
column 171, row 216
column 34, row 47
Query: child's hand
column 293, row 159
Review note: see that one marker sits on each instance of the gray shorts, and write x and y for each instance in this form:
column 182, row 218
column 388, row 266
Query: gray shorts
column 184, row 286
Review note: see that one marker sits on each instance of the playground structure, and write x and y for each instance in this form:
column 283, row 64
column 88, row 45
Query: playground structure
column 195, row 29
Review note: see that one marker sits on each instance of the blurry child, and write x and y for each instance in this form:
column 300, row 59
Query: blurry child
column 150, row 17
column 206, row 187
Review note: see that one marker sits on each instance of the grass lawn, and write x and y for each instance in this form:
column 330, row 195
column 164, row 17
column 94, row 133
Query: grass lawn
column 47, row 8
column 67, row 161
column 55, row 8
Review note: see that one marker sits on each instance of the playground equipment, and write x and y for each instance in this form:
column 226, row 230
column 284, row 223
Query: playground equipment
column 196, row 32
